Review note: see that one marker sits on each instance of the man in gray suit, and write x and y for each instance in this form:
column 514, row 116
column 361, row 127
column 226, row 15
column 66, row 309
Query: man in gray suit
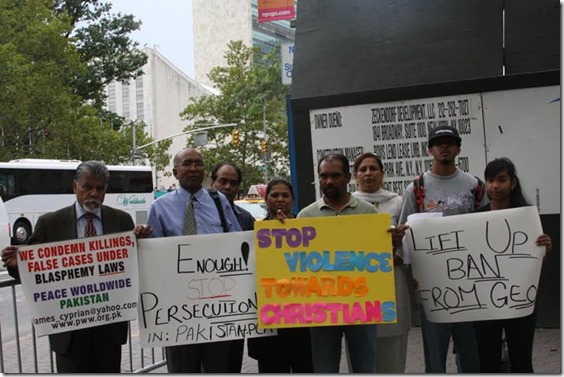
column 95, row 349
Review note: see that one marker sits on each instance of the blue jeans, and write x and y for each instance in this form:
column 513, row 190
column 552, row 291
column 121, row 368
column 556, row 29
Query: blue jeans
column 326, row 348
column 436, row 340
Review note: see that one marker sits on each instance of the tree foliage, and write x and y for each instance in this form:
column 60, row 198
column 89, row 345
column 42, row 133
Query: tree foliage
column 37, row 67
column 103, row 43
column 253, row 97
column 52, row 76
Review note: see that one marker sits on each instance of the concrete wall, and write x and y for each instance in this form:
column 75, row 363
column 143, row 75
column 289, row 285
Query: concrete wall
column 216, row 22
column 157, row 98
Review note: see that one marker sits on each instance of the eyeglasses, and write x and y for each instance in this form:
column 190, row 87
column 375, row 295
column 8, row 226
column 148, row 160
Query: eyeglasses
column 189, row 163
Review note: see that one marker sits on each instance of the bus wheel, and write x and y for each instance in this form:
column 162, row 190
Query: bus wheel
column 22, row 233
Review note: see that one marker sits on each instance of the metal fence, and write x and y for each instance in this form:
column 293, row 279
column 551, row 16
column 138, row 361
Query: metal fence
column 22, row 351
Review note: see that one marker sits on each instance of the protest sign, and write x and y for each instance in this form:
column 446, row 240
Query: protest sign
column 326, row 271
column 477, row 266
column 80, row 283
column 197, row 289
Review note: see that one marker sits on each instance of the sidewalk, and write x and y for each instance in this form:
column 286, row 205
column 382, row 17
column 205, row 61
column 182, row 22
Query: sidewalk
column 546, row 354
column 547, row 348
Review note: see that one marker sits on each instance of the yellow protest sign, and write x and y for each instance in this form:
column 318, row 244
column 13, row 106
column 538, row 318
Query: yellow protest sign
column 325, row 271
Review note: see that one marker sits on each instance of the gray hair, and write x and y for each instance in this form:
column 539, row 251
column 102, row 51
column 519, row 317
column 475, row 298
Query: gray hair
column 95, row 169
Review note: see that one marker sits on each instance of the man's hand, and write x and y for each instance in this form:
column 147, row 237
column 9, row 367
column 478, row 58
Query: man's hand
column 9, row 256
column 397, row 234
column 142, row 231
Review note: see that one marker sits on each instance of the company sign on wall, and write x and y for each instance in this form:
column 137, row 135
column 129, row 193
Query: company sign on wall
column 287, row 53
column 397, row 132
column 491, row 125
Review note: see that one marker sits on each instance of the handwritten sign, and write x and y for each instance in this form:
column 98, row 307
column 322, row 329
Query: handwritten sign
column 477, row 266
column 80, row 283
column 197, row 289
column 325, row 271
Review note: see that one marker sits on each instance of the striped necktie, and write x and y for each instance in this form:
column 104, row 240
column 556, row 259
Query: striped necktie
column 89, row 230
column 189, row 219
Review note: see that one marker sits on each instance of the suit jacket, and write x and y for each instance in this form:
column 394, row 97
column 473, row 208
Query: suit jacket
column 61, row 226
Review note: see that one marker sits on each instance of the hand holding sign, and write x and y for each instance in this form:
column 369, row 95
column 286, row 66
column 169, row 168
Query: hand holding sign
column 477, row 266
column 325, row 271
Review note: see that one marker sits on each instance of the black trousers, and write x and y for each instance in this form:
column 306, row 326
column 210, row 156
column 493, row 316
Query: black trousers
column 519, row 334
column 236, row 356
column 292, row 354
column 91, row 350
column 197, row 358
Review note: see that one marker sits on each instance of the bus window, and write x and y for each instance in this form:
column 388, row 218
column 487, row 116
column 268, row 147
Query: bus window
column 30, row 189
column 6, row 186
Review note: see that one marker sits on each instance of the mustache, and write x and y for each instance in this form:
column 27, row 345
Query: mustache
column 91, row 204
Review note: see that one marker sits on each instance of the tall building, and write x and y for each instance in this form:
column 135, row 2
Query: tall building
column 216, row 22
column 156, row 98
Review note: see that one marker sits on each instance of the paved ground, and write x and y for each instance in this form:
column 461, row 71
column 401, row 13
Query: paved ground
column 546, row 354
column 547, row 357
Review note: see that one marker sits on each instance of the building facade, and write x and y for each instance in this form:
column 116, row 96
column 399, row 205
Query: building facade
column 156, row 98
column 216, row 22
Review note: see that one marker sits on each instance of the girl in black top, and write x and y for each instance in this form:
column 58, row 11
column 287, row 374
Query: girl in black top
column 504, row 191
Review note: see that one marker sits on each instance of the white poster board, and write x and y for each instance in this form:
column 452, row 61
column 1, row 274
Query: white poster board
column 520, row 123
column 197, row 289
column 75, row 284
column 477, row 266
column 397, row 132
column 515, row 123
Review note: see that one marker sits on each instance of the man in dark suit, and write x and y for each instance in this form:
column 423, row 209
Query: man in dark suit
column 95, row 349
column 226, row 178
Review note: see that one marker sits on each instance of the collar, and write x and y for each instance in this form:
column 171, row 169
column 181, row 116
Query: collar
column 80, row 212
column 185, row 194
column 352, row 203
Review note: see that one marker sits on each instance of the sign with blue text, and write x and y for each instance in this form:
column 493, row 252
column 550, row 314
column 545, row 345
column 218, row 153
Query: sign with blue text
column 325, row 271
column 80, row 283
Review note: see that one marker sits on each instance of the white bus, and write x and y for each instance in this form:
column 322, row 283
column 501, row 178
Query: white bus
column 32, row 187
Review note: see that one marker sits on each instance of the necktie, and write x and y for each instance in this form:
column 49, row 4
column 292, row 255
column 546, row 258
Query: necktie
column 90, row 230
column 189, row 219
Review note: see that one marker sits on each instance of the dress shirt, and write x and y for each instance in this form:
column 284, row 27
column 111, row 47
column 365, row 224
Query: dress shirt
column 81, row 221
column 166, row 216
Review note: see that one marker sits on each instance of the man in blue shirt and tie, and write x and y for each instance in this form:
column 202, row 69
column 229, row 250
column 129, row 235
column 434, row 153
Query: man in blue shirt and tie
column 167, row 217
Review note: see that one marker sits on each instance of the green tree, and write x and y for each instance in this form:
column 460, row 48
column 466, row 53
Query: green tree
column 42, row 114
column 252, row 96
column 103, row 43
column 37, row 66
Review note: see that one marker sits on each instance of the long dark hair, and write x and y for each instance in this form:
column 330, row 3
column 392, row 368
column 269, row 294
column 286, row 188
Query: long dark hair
column 503, row 164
